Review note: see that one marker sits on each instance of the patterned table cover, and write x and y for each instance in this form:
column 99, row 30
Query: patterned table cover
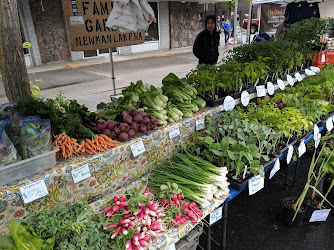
column 110, row 171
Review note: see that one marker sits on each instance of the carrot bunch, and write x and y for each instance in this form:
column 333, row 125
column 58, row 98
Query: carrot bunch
column 69, row 147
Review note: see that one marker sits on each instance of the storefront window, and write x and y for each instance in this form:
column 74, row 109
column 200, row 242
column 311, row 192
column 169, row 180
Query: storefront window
column 152, row 34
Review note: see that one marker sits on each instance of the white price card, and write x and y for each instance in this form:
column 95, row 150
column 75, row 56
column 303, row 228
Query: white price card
column 270, row 88
column 245, row 98
column 323, row 58
column 309, row 72
column 289, row 155
column 329, row 124
column 255, row 184
column 261, row 91
column 76, row 20
column 137, row 148
column 229, row 103
column 281, row 84
column 320, row 215
column 200, row 124
column 298, row 77
column 275, row 168
column 80, row 173
column 290, row 80
column 171, row 246
column 216, row 215
column 34, row 191
column 316, row 131
column 301, row 148
column 317, row 140
column 315, row 69
column 173, row 132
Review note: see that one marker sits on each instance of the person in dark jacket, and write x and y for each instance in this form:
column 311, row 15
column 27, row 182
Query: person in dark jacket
column 207, row 42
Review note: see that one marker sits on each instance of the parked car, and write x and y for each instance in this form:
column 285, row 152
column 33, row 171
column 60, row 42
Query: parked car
column 254, row 25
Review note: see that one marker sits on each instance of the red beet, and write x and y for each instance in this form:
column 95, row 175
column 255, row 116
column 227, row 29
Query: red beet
column 113, row 135
column 143, row 114
column 124, row 127
column 131, row 133
column 143, row 128
column 117, row 130
column 107, row 132
column 146, row 121
column 111, row 124
column 149, row 127
column 132, row 111
column 138, row 118
column 101, row 124
column 134, row 126
column 123, row 137
column 153, row 119
column 127, row 119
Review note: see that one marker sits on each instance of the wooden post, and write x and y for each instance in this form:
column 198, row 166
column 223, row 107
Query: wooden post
column 12, row 64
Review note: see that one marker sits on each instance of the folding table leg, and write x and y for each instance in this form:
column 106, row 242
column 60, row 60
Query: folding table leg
column 224, row 227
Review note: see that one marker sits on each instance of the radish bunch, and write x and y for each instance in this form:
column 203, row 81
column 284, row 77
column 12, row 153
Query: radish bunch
column 135, row 218
column 187, row 211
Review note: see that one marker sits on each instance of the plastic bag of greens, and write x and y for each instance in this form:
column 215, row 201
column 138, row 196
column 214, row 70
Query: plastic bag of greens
column 8, row 153
column 4, row 110
column 16, row 123
column 5, row 123
column 35, row 138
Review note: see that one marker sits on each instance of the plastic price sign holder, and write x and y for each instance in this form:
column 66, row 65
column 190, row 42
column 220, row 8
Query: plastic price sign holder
column 298, row 77
column 309, row 72
column 270, row 88
column 200, row 124
column 329, row 124
column 275, row 168
column 80, row 173
column 245, row 172
column 316, row 131
column 317, row 140
column 290, row 80
column 255, row 184
column 173, row 132
column 216, row 215
column 34, row 191
column 289, row 155
column 301, row 148
column 229, row 103
column 281, row 84
column 171, row 246
column 137, row 148
column 245, row 98
column 320, row 215
column 261, row 91
column 315, row 69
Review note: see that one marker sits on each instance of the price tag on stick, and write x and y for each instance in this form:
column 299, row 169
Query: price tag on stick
column 173, row 132
column 200, row 124
column 34, row 191
column 317, row 141
column 270, row 88
column 261, row 91
column 275, row 168
column 301, row 148
column 281, row 84
column 216, row 215
column 315, row 69
column 245, row 98
column 320, row 215
column 298, row 77
column 290, row 80
column 137, row 148
column 329, row 124
column 255, row 184
column 80, row 173
column 289, row 155
column 309, row 72
column 316, row 131
column 229, row 103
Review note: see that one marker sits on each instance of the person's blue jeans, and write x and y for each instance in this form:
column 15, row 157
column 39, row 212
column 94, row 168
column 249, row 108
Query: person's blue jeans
column 227, row 36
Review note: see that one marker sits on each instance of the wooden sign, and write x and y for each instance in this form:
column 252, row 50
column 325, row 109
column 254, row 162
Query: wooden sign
column 86, row 24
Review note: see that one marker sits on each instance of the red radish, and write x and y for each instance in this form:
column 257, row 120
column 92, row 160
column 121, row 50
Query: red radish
column 101, row 124
column 143, row 114
column 123, row 137
column 192, row 204
column 132, row 111
column 138, row 118
column 107, row 209
column 128, row 244
column 124, row 127
column 110, row 226
column 111, row 124
column 116, row 232
column 179, row 196
column 127, row 119
column 131, row 133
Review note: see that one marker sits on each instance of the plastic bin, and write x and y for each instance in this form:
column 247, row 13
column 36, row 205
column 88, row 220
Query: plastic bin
column 27, row 167
column 330, row 57
column 319, row 58
column 190, row 241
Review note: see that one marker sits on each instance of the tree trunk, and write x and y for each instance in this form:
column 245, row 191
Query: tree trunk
column 12, row 64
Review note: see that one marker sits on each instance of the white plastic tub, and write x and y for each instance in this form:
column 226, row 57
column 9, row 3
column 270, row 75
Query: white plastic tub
column 27, row 167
